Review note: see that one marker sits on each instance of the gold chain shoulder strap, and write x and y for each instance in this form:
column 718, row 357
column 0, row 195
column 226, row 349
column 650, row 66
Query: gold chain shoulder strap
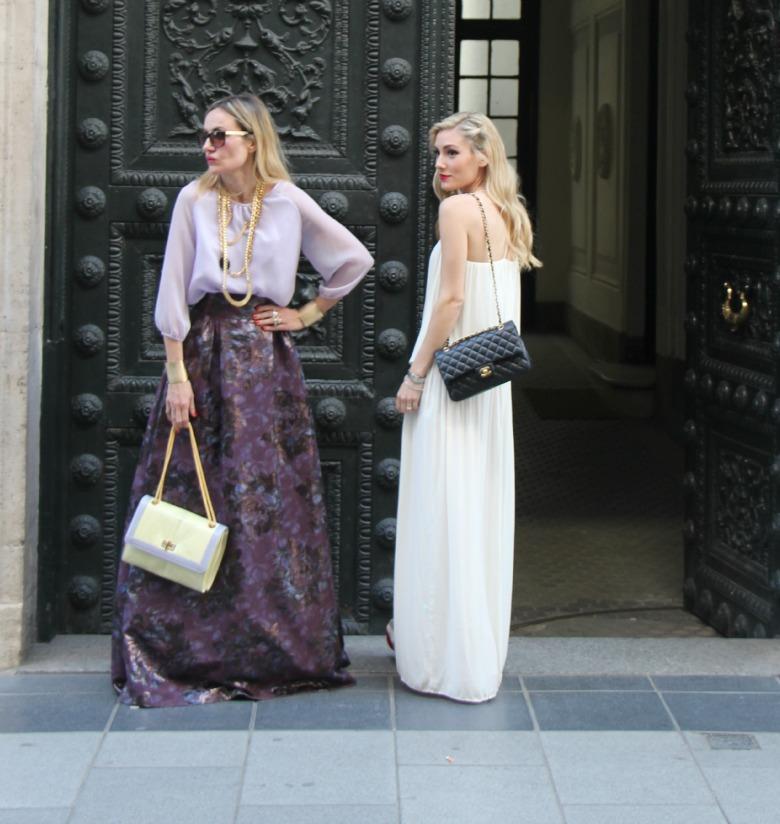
column 490, row 255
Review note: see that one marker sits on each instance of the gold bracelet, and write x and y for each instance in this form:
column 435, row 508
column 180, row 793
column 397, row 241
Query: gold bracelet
column 176, row 372
column 310, row 313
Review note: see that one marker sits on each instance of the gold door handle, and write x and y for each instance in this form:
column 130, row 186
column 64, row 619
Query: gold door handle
column 734, row 319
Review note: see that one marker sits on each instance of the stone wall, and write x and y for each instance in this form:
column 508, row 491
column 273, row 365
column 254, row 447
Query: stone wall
column 23, row 127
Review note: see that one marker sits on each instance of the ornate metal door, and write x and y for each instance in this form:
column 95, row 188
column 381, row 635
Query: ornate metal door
column 732, row 526
column 353, row 86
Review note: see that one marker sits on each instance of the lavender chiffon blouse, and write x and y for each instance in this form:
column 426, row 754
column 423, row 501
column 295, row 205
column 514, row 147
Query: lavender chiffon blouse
column 291, row 223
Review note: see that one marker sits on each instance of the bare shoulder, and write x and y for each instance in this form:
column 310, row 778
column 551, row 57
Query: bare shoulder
column 460, row 205
column 457, row 207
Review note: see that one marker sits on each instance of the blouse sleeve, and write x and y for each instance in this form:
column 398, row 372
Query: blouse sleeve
column 171, row 314
column 333, row 250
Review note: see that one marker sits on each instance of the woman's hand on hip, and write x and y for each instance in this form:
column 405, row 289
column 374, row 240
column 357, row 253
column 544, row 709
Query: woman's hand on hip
column 180, row 404
column 272, row 318
column 407, row 399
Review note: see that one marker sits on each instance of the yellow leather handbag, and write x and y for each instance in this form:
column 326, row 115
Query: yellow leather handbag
column 172, row 542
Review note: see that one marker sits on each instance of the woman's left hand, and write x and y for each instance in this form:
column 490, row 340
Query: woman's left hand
column 272, row 318
column 407, row 399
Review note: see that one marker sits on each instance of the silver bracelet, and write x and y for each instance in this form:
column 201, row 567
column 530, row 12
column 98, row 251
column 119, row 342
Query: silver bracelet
column 415, row 378
column 414, row 387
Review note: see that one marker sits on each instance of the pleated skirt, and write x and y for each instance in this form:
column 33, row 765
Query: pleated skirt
column 270, row 623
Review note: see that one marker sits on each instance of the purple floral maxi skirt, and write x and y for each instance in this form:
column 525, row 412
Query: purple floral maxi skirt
column 270, row 623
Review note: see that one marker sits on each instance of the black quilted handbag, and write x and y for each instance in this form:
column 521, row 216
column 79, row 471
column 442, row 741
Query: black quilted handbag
column 485, row 359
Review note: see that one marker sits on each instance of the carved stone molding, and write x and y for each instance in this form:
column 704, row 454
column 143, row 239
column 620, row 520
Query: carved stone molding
column 396, row 140
column 91, row 201
column 86, row 469
column 382, row 594
column 747, row 58
column 393, row 276
column 216, row 53
column 392, row 344
column 142, row 408
column 84, row 531
column 384, row 532
column 89, row 339
column 151, row 204
column 605, row 139
column 388, row 472
column 92, row 133
column 330, row 413
column 387, row 415
column 575, row 149
column 94, row 65
column 87, row 409
column 90, row 270
column 83, row 592
column 397, row 9
column 393, row 207
column 95, row 6
column 335, row 204
column 743, row 491
column 396, row 72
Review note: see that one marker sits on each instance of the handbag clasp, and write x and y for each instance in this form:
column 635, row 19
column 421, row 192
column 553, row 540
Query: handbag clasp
column 485, row 371
column 168, row 546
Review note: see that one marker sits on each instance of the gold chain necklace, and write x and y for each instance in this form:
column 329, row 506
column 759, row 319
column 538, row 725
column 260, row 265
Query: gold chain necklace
column 224, row 213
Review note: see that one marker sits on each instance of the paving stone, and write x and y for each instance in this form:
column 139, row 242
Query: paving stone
column 50, row 815
column 44, row 770
column 330, row 814
column 320, row 767
column 600, row 711
column 173, row 749
column 507, row 711
column 630, row 768
column 656, row 814
column 747, row 796
column 57, row 684
column 326, row 710
column 766, row 756
column 70, row 712
column 715, row 683
column 224, row 715
column 158, row 795
column 464, row 795
column 587, row 682
column 726, row 712
column 466, row 748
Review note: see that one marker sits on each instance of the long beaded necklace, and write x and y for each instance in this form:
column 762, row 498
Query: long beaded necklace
column 224, row 214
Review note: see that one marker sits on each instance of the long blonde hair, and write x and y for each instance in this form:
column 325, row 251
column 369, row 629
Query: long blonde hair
column 501, row 182
column 252, row 116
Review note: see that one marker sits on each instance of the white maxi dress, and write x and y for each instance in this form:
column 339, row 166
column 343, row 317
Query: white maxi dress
column 456, row 515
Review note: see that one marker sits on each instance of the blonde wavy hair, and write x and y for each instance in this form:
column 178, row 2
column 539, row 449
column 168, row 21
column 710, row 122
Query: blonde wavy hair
column 252, row 116
column 501, row 182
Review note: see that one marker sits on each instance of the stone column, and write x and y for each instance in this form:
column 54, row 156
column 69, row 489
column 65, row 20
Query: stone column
column 23, row 129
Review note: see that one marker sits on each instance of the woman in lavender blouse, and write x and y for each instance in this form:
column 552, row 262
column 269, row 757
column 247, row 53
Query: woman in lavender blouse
column 270, row 623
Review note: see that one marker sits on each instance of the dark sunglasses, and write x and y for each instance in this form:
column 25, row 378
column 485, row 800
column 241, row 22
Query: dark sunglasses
column 217, row 136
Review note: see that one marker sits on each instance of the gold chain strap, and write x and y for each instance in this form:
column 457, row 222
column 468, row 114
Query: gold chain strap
column 490, row 255
column 224, row 212
column 201, row 475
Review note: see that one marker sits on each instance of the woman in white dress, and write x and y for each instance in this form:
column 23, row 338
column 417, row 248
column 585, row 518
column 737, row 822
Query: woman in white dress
column 456, row 517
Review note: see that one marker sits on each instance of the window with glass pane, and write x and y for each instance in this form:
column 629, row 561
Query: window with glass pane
column 489, row 82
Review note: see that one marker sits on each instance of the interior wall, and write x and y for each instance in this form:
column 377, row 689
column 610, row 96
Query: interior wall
column 609, row 102
column 553, row 224
column 670, row 214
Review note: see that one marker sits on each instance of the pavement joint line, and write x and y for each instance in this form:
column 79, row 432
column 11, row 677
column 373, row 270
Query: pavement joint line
column 91, row 765
column 249, row 733
column 540, row 742
column 687, row 745
column 394, row 730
